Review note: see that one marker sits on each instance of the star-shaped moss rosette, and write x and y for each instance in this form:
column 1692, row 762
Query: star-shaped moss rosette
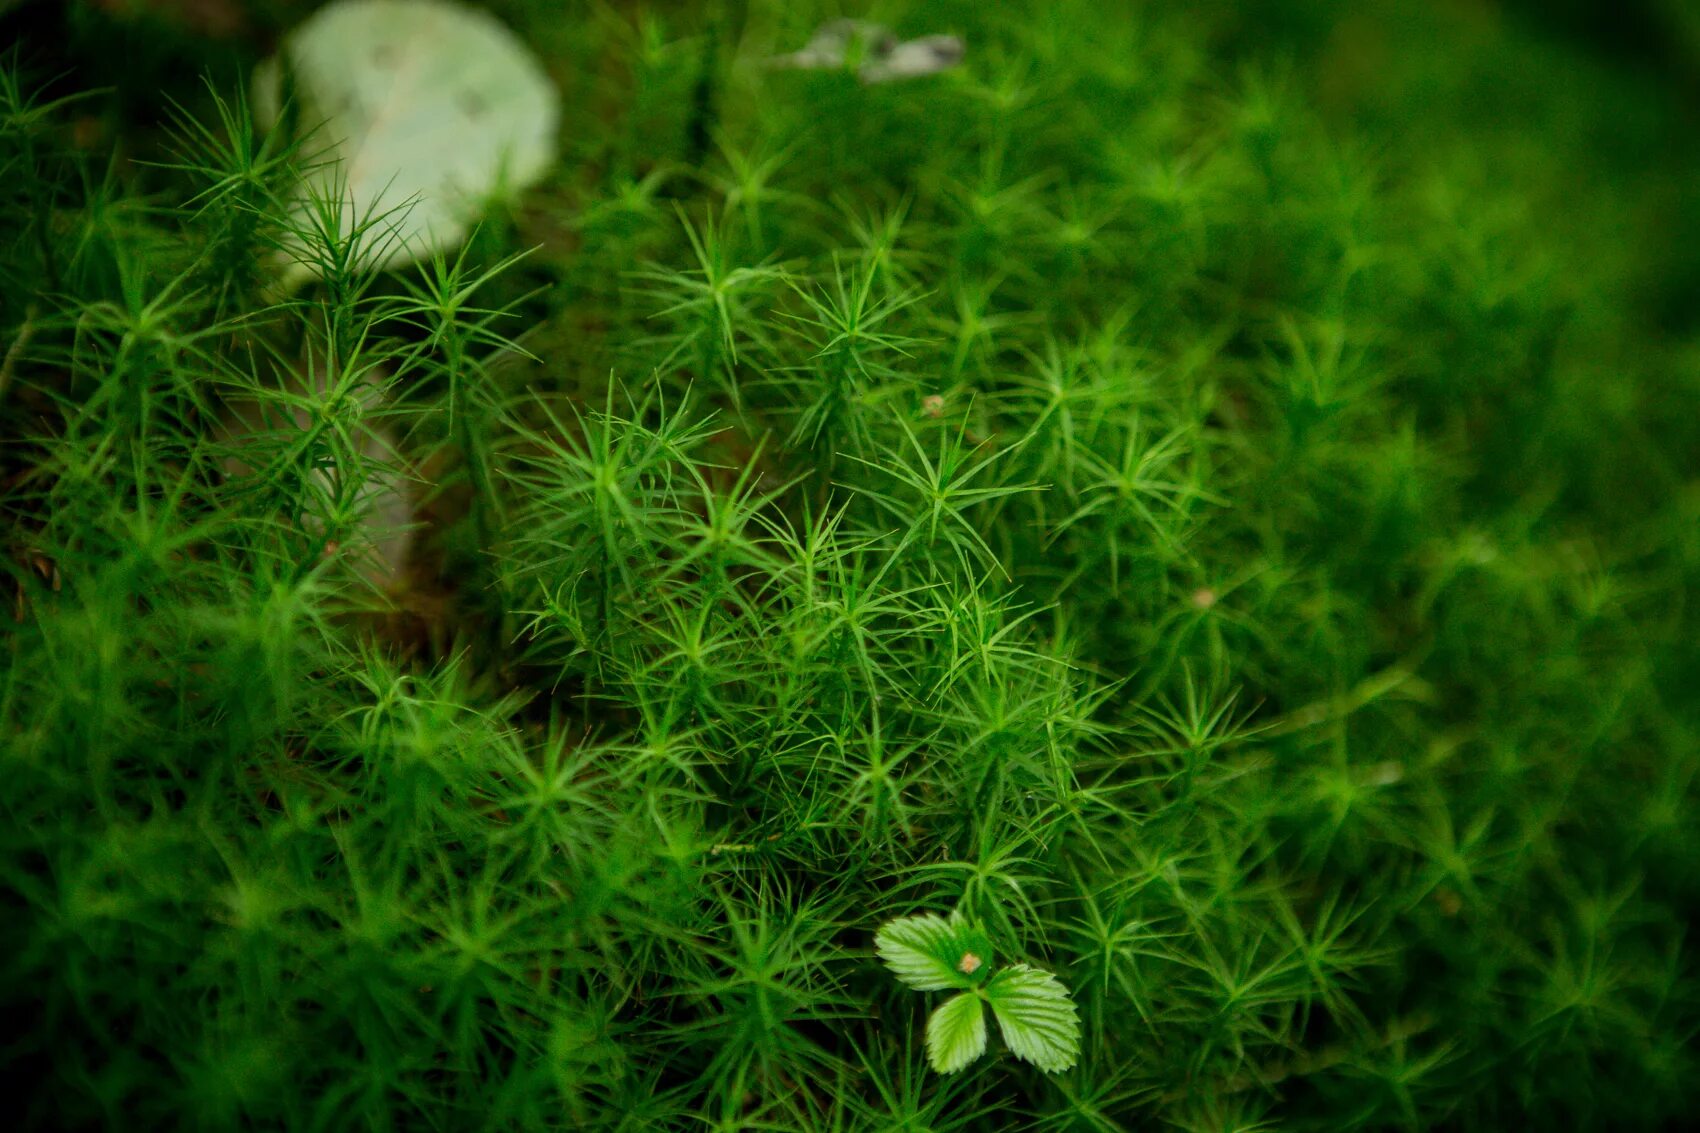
column 1034, row 1012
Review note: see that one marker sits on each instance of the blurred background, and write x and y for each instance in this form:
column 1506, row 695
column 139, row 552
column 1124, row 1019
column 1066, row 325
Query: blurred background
column 1580, row 99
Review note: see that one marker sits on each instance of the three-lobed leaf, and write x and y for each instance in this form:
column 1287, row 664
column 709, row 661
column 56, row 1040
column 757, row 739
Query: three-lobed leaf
column 930, row 953
column 1035, row 1016
column 956, row 1033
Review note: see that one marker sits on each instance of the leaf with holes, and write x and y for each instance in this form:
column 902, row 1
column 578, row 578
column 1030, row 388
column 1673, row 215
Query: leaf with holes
column 956, row 1033
column 1035, row 1016
column 427, row 111
column 930, row 953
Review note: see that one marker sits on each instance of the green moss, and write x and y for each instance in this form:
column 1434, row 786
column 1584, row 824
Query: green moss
column 1203, row 496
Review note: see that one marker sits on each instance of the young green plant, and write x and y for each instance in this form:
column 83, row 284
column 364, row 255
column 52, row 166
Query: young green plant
column 1034, row 1012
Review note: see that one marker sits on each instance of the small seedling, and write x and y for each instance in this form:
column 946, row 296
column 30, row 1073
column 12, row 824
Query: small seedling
column 1034, row 1012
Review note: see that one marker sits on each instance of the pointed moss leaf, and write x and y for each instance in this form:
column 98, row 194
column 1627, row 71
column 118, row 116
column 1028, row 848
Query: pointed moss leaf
column 429, row 109
column 956, row 1033
column 930, row 953
column 1035, row 1016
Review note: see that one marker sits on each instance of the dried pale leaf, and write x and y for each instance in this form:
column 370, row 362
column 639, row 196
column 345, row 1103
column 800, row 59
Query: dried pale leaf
column 914, row 59
column 877, row 55
column 429, row 109
column 385, row 497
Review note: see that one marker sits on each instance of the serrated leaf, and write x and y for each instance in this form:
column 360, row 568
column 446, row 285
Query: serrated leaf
column 956, row 1033
column 1035, row 1016
column 930, row 953
column 428, row 107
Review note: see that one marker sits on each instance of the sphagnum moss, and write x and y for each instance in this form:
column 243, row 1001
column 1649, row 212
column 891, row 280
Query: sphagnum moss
column 1215, row 519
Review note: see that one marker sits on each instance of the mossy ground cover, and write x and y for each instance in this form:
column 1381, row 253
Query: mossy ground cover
column 1210, row 496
